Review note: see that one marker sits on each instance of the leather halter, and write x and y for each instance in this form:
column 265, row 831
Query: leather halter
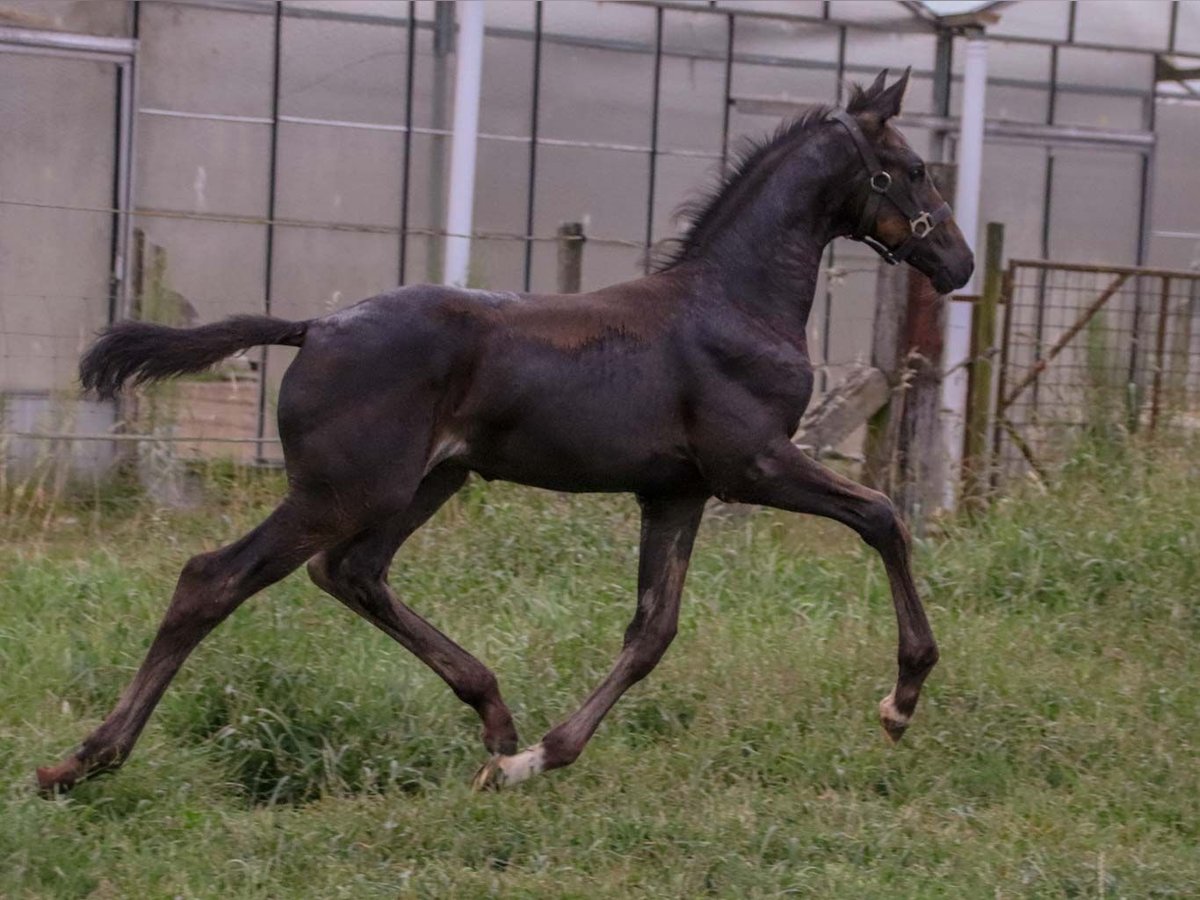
column 920, row 221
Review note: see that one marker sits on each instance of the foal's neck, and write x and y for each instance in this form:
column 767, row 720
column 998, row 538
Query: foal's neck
column 769, row 257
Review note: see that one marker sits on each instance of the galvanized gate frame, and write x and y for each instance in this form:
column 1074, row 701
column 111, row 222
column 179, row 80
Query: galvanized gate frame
column 1012, row 384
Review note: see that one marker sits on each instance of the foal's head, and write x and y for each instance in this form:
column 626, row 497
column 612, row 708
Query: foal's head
column 891, row 202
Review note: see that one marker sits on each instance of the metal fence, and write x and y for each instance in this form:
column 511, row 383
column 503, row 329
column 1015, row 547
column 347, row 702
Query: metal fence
column 1104, row 351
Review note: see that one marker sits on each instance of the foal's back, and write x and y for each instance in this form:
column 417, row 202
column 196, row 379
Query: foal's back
column 579, row 392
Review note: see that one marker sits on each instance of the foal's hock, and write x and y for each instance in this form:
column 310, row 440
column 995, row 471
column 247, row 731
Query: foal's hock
column 676, row 387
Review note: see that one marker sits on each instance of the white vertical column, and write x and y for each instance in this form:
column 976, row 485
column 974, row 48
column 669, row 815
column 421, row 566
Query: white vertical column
column 463, row 144
column 966, row 213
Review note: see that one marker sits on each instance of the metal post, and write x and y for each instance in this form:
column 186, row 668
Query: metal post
column 410, row 68
column 121, row 301
column 570, row 257
column 269, row 253
column 1043, row 275
column 730, row 25
column 119, row 263
column 827, row 310
column 1160, row 350
column 970, row 142
column 1149, row 118
column 942, row 80
column 443, row 46
column 658, row 42
column 1143, row 240
column 464, row 143
column 1007, row 292
column 533, row 139
column 966, row 206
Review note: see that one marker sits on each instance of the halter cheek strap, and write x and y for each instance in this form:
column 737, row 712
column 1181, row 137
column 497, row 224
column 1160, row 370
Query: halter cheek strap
column 920, row 221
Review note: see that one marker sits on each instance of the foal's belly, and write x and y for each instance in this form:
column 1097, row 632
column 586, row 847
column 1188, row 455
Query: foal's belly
column 575, row 424
column 530, row 459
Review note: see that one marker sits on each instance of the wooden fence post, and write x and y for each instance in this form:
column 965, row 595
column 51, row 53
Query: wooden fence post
column 570, row 257
column 904, row 453
column 979, row 390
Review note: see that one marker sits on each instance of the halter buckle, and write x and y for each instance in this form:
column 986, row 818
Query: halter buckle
column 921, row 225
column 880, row 182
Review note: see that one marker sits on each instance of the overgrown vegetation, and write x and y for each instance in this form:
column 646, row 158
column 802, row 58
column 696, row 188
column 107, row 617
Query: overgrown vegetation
column 301, row 753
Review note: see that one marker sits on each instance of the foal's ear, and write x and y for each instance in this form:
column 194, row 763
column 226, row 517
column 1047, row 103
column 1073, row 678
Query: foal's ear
column 877, row 104
column 889, row 101
column 876, row 85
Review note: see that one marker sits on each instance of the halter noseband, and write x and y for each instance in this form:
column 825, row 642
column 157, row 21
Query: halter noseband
column 920, row 222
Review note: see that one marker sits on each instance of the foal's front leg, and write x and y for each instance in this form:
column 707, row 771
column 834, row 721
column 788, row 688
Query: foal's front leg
column 668, row 531
column 782, row 476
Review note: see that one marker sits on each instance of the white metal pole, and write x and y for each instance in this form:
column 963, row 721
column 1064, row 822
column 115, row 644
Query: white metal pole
column 966, row 213
column 463, row 143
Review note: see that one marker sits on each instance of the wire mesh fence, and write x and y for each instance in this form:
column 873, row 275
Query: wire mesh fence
column 1095, row 351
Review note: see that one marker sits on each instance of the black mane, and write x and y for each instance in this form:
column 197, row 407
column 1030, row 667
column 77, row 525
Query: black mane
column 701, row 213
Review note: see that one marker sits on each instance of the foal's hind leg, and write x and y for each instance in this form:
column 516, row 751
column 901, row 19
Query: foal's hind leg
column 211, row 586
column 784, row 477
column 668, row 530
column 356, row 573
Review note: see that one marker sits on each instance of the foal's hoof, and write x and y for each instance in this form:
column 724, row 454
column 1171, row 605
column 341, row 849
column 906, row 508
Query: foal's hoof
column 893, row 721
column 501, row 771
column 490, row 776
column 55, row 780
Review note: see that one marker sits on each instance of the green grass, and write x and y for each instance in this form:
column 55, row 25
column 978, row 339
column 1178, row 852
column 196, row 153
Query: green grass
column 302, row 754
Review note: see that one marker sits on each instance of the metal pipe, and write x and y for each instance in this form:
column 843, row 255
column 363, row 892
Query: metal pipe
column 443, row 46
column 410, row 68
column 436, row 132
column 534, row 105
column 942, row 80
column 117, row 246
column 269, row 252
column 1047, row 206
column 1096, row 267
column 129, row 124
column 464, row 145
column 1160, row 352
column 654, row 105
column 729, row 32
column 72, row 43
column 827, row 305
column 996, row 130
column 1146, row 186
column 966, row 208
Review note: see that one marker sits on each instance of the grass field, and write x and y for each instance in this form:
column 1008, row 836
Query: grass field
column 1056, row 752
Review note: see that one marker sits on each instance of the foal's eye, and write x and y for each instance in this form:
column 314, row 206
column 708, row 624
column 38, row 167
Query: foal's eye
column 917, row 173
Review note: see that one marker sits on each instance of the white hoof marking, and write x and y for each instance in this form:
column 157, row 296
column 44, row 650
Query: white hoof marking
column 520, row 766
column 888, row 712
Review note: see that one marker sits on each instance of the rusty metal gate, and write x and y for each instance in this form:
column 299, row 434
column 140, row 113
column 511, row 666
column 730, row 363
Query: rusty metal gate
column 1093, row 351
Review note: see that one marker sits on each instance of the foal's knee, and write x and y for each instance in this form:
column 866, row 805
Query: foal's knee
column 919, row 659
column 337, row 575
column 881, row 525
column 477, row 687
column 320, row 573
column 202, row 593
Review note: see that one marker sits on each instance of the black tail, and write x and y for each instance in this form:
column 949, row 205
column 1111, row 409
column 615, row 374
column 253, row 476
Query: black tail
column 141, row 351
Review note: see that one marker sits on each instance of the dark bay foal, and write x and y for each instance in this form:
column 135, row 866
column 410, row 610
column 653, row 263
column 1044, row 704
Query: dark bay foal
column 677, row 387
